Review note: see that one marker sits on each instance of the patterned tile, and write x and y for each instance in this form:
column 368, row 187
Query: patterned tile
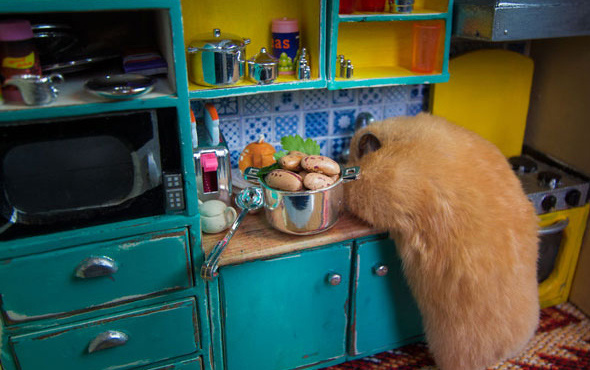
column 375, row 110
column 256, row 104
column 324, row 147
column 338, row 146
column 315, row 99
column 394, row 110
column 287, row 124
column 197, row 107
column 370, row 95
column 232, row 131
column 286, row 101
column 316, row 124
column 256, row 126
column 418, row 92
column 395, row 94
column 226, row 106
column 234, row 158
column 414, row 108
column 344, row 121
column 344, row 97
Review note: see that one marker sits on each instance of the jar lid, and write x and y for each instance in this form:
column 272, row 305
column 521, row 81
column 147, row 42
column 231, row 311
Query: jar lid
column 15, row 30
column 263, row 58
column 218, row 40
column 285, row 25
column 212, row 208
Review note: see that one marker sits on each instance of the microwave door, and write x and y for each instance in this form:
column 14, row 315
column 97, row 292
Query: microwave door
column 51, row 181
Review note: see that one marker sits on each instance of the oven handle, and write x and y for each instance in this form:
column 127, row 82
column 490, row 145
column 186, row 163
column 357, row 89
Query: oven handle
column 554, row 228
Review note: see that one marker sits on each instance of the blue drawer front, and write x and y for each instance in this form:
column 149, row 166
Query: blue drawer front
column 154, row 334
column 46, row 285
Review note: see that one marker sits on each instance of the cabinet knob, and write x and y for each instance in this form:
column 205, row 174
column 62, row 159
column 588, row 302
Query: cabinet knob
column 381, row 270
column 96, row 266
column 334, row 279
column 107, row 339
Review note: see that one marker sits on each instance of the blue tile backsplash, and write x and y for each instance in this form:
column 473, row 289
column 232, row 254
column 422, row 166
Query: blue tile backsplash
column 325, row 115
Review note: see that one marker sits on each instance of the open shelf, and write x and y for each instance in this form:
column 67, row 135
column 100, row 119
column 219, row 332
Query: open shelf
column 380, row 45
column 246, row 20
column 97, row 52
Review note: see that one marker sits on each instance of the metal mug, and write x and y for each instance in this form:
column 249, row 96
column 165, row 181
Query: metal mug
column 36, row 90
column 401, row 6
column 304, row 212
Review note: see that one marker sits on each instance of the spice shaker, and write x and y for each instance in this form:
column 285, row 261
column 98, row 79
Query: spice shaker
column 18, row 55
column 285, row 43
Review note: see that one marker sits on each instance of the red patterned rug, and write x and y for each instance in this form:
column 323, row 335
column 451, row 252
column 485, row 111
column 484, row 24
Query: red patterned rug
column 562, row 342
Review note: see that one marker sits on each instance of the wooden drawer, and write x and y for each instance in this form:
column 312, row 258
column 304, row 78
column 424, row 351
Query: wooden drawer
column 50, row 284
column 152, row 334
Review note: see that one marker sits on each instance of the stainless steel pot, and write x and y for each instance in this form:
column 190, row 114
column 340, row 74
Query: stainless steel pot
column 263, row 68
column 304, row 212
column 217, row 59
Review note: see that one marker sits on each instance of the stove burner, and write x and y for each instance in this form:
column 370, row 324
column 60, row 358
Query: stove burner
column 522, row 164
column 549, row 179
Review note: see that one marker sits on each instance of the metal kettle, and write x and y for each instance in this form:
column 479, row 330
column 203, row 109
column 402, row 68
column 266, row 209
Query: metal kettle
column 36, row 90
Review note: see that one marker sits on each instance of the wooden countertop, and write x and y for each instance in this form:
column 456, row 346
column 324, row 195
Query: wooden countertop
column 256, row 239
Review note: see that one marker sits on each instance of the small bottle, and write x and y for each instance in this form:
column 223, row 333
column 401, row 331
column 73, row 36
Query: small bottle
column 285, row 43
column 18, row 55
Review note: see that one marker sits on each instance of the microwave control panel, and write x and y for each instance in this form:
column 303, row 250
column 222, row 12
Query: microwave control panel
column 174, row 191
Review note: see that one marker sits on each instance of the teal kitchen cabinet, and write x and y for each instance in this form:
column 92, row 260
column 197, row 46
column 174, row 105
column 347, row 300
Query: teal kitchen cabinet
column 313, row 308
column 286, row 312
column 123, row 281
column 384, row 314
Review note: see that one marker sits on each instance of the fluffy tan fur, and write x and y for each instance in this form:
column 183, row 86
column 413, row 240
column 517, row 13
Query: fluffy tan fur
column 465, row 231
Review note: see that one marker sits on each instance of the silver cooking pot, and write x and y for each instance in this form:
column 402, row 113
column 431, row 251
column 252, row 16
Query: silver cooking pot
column 304, row 212
column 217, row 59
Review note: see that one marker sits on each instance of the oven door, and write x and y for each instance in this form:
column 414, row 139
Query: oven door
column 560, row 237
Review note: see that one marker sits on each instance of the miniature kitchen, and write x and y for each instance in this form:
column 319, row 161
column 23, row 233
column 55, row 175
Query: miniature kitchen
column 153, row 211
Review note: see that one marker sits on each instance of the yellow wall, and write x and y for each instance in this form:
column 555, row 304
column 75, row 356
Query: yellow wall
column 559, row 122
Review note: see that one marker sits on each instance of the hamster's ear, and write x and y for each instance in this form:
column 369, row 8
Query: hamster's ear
column 368, row 143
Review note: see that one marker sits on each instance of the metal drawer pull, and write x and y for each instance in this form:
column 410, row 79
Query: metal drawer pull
column 108, row 339
column 554, row 228
column 334, row 279
column 96, row 266
column 381, row 270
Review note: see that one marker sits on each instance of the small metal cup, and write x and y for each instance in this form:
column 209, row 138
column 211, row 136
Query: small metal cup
column 401, row 6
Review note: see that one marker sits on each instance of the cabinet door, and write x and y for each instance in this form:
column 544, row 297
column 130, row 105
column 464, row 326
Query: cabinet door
column 286, row 312
column 385, row 313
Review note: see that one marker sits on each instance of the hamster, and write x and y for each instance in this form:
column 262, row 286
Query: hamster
column 464, row 229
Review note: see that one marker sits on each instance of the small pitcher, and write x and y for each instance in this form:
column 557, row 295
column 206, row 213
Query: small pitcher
column 216, row 216
column 36, row 90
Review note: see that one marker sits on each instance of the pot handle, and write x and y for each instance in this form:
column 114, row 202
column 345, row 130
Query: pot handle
column 251, row 174
column 351, row 174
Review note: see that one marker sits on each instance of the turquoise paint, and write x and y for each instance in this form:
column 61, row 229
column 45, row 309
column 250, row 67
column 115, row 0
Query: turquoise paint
column 282, row 313
column 218, row 92
column 45, row 285
column 385, row 314
column 155, row 333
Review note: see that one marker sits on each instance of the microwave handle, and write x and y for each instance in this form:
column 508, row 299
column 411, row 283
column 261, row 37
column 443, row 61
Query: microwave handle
column 153, row 170
column 554, row 228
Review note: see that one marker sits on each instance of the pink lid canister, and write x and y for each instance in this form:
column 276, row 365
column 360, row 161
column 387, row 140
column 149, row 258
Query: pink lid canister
column 285, row 25
column 285, row 43
column 18, row 55
column 15, row 30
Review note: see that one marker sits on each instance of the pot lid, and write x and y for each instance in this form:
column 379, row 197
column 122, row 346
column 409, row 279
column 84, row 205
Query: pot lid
column 212, row 208
column 217, row 40
column 263, row 58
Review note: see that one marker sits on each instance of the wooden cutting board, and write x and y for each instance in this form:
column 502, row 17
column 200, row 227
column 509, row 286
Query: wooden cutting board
column 488, row 92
